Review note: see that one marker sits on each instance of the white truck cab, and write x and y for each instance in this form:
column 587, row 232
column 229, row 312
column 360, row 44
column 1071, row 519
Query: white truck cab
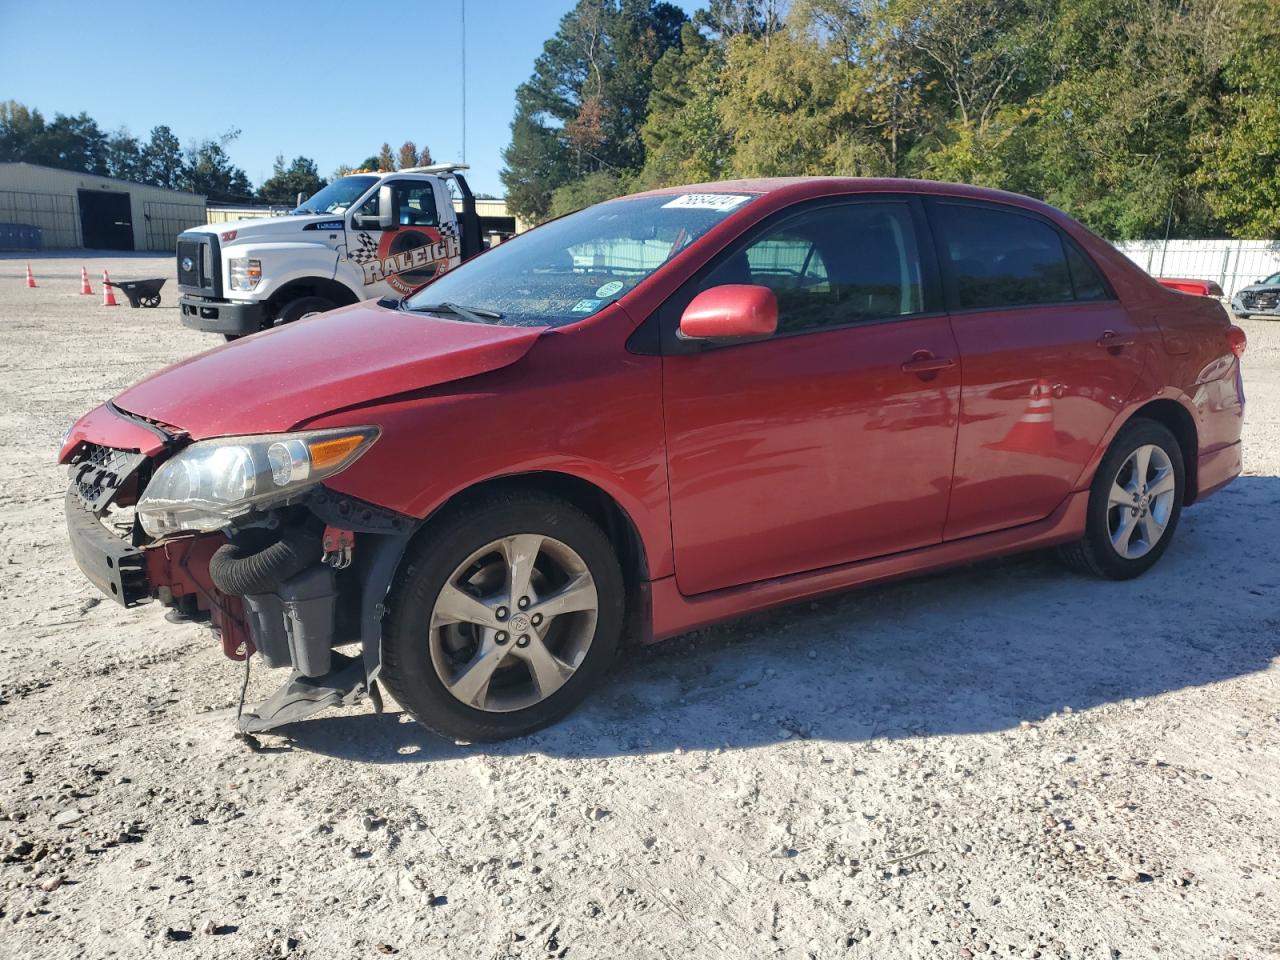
column 363, row 236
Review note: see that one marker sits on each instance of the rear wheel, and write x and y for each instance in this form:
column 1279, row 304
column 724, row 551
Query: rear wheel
column 1134, row 503
column 505, row 616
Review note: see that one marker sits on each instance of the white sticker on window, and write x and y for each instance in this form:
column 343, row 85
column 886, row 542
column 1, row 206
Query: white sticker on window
column 609, row 289
column 723, row 202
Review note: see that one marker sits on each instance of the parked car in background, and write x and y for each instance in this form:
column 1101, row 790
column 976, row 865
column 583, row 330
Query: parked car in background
column 656, row 413
column 1258, row 299
column 1197, row 288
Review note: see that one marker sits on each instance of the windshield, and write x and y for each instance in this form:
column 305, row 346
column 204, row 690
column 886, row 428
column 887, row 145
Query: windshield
column 572, row 268
column 1274, row 278
column 338, row 195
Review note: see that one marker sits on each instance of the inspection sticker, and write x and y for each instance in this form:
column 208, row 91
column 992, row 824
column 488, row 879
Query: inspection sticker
column 609, row 289
column 586, row 305
column 723, row 202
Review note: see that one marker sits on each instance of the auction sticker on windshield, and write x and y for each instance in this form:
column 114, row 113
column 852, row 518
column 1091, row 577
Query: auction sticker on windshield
column 609, row 289
column 724, row 202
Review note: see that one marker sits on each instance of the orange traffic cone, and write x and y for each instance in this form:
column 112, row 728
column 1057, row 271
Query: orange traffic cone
column 1033, row 432
column 31, row 281
column 84, row 282
column 108, row 295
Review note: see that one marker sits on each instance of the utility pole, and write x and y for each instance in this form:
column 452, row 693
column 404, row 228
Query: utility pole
column 463, row 5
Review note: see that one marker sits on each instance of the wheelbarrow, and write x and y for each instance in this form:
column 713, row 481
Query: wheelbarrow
column 141, row 293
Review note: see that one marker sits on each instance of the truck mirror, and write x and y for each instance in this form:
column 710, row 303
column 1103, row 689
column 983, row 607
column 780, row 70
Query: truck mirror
column 388, row 208
column 388, row 212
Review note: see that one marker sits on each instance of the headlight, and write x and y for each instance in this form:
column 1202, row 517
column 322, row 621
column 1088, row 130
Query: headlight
column 245, row 273
column 211, row 483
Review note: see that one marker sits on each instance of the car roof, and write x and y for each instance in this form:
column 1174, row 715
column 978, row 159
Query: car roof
column 802, row 188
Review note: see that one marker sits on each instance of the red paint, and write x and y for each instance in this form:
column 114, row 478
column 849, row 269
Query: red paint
column 1015, row 462
column 731, row 310
column 754, row 473
column 808, row 451
column 1197, row 288
column 181, row 567
column 103, row 426
column 274, row 380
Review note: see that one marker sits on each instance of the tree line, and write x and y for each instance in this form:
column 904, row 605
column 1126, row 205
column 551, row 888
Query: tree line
column 1136, row 116
column 79, row 143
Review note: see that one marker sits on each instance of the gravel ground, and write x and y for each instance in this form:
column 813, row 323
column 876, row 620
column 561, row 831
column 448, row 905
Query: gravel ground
column 1008, row 760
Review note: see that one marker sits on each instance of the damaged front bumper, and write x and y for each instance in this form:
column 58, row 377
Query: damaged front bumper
column 293, row 622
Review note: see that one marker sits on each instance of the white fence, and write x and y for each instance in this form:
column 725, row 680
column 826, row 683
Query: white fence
column 1232, row 263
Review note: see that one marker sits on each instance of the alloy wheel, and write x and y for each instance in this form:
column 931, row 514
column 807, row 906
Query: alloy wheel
column 513, row 622
column 1141, row 501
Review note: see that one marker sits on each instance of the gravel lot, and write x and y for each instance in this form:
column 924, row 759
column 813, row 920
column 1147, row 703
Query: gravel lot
column 1008, row 760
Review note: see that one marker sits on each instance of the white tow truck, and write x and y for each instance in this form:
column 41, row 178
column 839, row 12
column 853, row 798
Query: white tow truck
column 364, row 236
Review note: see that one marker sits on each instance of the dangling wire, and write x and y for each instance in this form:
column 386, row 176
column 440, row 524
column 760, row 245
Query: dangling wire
column 249, row 739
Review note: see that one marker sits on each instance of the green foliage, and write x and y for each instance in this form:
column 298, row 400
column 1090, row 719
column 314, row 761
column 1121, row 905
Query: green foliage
column 593, row 188
column 162, row 159
column 1128, row 114
column 582, row 110
column 208, row 170
column 1239, row 154
column 285, row 183
column 77, row 143
column 684, row 139
column 69, row 143
column 123, row 157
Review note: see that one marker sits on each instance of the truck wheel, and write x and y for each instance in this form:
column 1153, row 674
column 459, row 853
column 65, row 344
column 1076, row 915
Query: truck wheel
column 503, row 617
column 302, row 307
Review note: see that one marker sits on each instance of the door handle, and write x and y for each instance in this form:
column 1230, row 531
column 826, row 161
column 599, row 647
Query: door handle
column 922, row 361
column 1110, row 340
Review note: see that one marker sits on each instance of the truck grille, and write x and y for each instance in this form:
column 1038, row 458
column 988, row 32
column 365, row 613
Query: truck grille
column 1260, row 299
column 198, row 265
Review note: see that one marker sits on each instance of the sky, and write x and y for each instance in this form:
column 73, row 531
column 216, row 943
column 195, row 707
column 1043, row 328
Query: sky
column 321, row 79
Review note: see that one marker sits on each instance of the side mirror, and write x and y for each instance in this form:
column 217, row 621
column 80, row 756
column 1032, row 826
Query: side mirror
column 733, row 311
column 388, row 213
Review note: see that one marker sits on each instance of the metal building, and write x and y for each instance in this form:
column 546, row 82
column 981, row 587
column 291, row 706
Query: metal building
column 75, row 209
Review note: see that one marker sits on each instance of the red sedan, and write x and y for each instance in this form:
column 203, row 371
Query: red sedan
column 659, row 412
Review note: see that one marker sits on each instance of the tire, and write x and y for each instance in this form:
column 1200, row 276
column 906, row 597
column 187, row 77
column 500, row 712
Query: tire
column 420, row 654
column 1097, row 551
column 302, row 307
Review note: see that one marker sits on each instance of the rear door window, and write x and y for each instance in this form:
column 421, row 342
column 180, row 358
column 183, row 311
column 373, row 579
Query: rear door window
column 1085, row 278
column 996, row 258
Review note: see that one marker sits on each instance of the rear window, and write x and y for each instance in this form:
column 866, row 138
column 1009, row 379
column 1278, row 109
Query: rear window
column 997, row 258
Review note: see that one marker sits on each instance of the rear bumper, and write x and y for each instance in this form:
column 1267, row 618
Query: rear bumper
column 227, row 317
column 1215, row 470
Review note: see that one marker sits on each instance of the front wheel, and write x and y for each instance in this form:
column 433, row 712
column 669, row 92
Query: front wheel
column 503, row 618
column 1134, row 503
column 301, row 308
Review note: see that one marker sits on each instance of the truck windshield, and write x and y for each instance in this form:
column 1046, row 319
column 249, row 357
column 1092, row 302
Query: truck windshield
column 338, row 195
column 572, row 268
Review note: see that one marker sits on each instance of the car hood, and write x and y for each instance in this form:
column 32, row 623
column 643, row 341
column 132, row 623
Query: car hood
column 273, row 381
column 1258, row 288
column 272, row 228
